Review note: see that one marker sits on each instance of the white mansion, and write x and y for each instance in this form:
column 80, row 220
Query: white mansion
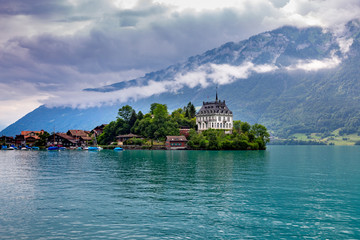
column 215, row 115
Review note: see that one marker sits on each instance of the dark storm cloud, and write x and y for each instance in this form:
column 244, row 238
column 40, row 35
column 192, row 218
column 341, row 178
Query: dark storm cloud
column 168, row 39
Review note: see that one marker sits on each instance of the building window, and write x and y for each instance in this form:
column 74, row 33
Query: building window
column 217, row 125
column 220, row 125
column 219, row 118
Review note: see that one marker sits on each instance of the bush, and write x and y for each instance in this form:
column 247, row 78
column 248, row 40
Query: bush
column 134, row 141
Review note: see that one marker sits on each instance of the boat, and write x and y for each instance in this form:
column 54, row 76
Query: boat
column 53, row 148
column 96, row 147
column 93, row 148
column 62, row 148
column 79, row 148
column 35, row 148
column 118, row 149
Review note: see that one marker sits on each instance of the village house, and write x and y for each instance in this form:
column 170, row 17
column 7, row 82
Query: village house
column 61, row 139
column 122, row 138
column 99, row 129
column 81, row 136
column 20, row 140
column 214, row 115
column 29, row 137
column 175, row 142
column 7, row 140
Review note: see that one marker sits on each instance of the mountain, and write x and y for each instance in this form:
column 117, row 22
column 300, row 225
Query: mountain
column 291, row 80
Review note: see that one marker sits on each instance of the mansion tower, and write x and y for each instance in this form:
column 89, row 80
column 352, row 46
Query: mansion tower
column 215, row 115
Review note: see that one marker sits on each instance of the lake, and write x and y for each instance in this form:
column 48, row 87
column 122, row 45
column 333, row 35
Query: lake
column 285, row 192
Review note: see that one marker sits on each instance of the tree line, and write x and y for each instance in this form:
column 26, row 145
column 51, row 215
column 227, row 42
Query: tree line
column 243, row 137
column 157, row 124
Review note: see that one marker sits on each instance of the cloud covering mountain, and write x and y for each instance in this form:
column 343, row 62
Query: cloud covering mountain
column 290, row 79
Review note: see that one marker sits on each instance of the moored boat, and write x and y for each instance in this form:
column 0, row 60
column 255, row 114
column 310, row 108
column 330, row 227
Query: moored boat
column 94, row 148
column 118, row 149
column 53, row 148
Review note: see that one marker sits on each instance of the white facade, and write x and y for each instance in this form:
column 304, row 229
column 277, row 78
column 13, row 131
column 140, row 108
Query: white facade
column 214, row 115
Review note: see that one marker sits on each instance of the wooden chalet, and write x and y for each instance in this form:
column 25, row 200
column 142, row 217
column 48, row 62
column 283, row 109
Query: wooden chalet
column 99, row 129
column 7, row 140
column 31, row 140
column 30, row 137
column 81, row 136
column 78, row 133
column 20, row 140
column 61, row 139
column 175, row 142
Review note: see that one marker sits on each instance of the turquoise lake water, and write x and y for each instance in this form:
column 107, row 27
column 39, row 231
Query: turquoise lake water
column 285, row 192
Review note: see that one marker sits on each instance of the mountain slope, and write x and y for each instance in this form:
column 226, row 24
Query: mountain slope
column 292, row 80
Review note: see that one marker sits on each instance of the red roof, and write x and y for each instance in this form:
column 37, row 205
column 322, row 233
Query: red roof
column 78, row 133
column 35, row 134
column 176, row 138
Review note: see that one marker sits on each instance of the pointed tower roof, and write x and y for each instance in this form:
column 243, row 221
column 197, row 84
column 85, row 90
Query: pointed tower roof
column 216, row 95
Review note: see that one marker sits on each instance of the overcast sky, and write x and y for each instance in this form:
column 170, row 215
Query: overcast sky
column 54, row 49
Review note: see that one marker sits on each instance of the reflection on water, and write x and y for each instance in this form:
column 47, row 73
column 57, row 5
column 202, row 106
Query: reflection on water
column 284, row 192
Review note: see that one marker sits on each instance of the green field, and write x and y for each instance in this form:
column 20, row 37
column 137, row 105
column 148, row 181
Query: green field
column 334, row 138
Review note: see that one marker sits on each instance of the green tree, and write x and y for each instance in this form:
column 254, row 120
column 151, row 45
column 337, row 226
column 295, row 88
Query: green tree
column 191, row 109
column 245, row 127
column 112, row 130
column 237, row 125
column 125, row 113
column 260, row 131
column 153, row 106
column 140, row 115
column 132, row 119
column 187, row 114
column 160, row 113
column 43, row 139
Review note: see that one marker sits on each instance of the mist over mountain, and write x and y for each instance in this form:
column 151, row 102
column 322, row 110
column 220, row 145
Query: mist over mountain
column 291, row 80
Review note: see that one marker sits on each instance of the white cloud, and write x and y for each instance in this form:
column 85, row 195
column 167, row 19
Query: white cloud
column 315, row 64
column 203, row 77
column 345, row 44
